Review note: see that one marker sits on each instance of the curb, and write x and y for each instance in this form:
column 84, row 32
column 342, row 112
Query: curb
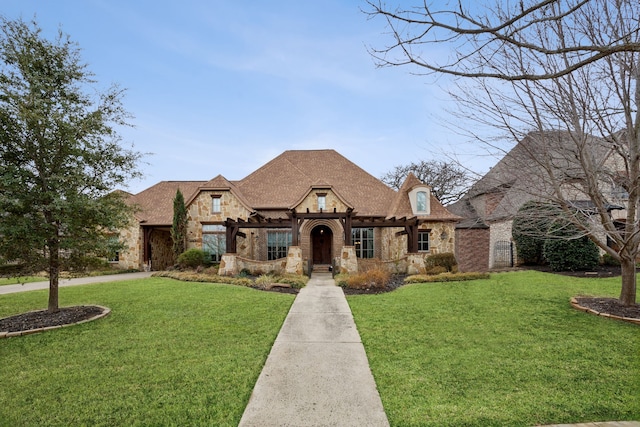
column 105, row 312
column 577, row 306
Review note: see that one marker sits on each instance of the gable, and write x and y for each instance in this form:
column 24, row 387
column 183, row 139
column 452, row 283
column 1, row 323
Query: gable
column 201, row 208
column 405, row 203
column 332, row 201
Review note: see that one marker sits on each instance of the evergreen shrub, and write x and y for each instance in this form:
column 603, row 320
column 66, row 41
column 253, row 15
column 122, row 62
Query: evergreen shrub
column 445, row 259
column 192, row 258
column 571, row 255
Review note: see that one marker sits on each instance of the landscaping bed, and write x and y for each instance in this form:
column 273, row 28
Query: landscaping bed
column 45, row 319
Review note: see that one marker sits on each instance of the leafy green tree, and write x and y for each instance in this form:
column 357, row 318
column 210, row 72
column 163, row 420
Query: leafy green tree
column 179, row 227
column 60, row 156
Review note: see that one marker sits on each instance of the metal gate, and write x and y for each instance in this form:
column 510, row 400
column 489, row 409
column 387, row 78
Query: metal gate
column 503, row 254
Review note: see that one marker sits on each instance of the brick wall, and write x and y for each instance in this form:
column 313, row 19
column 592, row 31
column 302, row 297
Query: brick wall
column 472, row 249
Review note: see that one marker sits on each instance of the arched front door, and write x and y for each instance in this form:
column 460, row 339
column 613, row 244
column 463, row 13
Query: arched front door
column 321, row 239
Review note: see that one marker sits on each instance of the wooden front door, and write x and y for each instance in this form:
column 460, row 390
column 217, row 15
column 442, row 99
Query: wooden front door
column 321, row 239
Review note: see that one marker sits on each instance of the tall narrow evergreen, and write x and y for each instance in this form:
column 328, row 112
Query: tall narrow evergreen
column 179, row 227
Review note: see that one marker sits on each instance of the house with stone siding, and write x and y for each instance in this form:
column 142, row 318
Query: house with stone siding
column 303, row 210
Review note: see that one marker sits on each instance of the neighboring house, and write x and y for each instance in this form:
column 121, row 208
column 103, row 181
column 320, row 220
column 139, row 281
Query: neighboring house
column 300, row 210
column 483, row 238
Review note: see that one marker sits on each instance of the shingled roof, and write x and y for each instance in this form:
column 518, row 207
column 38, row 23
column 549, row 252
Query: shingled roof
column 401, row 206
column 282, row 182
column 520, row 175
column 155, row 204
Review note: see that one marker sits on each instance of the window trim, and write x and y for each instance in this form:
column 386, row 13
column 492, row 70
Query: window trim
column 216, row 203
column 414, row 194
column 321, row 197
column 357, row 241
column 420, row 241
column 281, row 246
column 421, row 199
column 220, row 234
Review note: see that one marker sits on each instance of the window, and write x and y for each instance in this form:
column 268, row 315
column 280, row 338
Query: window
column 322, row 202
column 421, row 201
column 423, row 241
column 278, row 243
column 363, row 241
column 214, row 241
column 215, row 203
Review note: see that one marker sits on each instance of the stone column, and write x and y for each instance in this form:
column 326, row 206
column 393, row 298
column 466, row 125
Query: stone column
column 415, row 264
column 294, row 261
column 228, row 265
column 348, row 260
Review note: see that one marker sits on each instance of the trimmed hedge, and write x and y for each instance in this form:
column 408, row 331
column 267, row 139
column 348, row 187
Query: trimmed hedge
column 203, row 277
column 446, row 260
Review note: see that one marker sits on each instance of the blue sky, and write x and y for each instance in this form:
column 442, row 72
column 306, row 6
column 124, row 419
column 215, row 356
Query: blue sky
column 222, row 87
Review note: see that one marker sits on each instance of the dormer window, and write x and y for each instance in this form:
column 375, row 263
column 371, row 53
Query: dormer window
column 215, row 203
column 421, row 201
column 322, row 201
column 420, row 197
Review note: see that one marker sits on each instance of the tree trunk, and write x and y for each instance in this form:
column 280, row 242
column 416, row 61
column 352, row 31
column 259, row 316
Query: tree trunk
column 628, row 292
column 54, row 275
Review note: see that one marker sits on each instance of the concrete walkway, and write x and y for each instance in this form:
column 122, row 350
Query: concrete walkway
column 317, row 373
column 11, row 289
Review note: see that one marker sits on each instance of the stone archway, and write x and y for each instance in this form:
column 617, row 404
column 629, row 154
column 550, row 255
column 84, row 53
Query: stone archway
column 321, row 244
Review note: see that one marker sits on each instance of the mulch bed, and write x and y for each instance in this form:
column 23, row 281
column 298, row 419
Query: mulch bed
column 44, row 319
column 395, row 282
column 610, row 306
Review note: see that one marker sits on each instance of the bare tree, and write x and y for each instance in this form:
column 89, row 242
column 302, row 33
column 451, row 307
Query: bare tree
column 532, row 69
column 448, row 181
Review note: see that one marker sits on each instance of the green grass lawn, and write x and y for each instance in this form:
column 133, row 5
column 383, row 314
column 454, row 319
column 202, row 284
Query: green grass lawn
column 169, row 354
column 508, row 351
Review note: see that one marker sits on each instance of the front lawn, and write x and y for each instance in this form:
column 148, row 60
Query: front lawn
column 507, row 351
column 170, row 353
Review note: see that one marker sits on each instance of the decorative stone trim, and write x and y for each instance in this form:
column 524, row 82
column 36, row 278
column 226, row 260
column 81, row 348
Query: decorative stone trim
column 577, row 306
column 105, row 312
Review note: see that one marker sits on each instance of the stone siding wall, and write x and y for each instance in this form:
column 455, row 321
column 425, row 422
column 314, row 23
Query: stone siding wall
column 441, row 240
column 331, row 202
column 442, row 236
column 472, row 249
column 131, row 256
column 392, row 247
column 201, row 210
column 257, row 268
column 161, row 250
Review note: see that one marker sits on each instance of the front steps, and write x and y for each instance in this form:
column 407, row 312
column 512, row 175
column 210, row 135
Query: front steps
column 322, row 268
